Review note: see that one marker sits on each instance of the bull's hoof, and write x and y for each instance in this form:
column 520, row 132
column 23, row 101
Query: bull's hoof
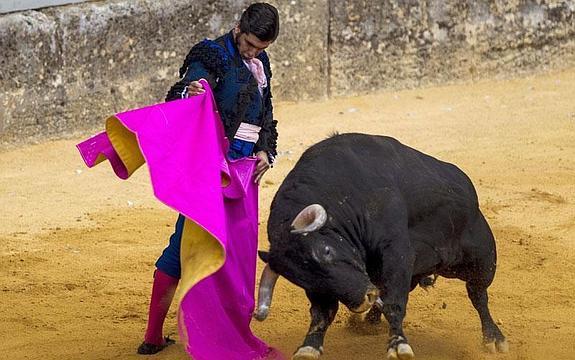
column 502, row 346
column 400, row 352
column 373, row 316
column 497, row 346
column 427, row 282
column 490, row 347
column 306, row 353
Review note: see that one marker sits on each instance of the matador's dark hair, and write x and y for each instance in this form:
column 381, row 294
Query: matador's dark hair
column 262, row 20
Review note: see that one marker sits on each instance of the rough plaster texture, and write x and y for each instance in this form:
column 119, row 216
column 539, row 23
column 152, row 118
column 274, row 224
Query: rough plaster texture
column 407, row 43
column 64, row 69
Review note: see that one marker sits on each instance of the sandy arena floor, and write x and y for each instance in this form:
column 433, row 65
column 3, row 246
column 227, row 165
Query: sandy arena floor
column 78, row 245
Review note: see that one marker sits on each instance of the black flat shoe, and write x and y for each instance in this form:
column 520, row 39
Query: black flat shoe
column 151, row 349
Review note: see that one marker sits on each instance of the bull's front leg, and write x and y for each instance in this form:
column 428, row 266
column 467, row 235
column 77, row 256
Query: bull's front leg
column 397, row 346
column 393, row 304
column 323, row 310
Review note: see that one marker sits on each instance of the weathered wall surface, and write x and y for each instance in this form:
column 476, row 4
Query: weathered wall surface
column 64, row 69
column 408, row 43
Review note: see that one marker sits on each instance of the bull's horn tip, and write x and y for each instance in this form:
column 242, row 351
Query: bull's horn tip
column 261, row 313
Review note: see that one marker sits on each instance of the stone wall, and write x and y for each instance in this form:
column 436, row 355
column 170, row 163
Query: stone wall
column 391, row 44
column 64, row 69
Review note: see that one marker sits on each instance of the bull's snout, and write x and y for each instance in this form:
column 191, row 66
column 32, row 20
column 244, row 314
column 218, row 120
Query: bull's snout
column 371, row 295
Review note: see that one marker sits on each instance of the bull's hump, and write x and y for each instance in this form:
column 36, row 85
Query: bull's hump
column 351, row 150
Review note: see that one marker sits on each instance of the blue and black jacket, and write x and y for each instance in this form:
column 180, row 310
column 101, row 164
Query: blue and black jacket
column 235, row 91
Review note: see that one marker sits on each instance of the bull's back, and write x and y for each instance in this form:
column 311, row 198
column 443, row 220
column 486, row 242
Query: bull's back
column 371, row 160
column 355, row 166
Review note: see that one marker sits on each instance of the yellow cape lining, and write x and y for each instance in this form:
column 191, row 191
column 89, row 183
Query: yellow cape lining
column 201, row 254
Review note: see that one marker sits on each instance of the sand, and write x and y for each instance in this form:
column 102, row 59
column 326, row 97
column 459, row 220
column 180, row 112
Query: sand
column 79, row 245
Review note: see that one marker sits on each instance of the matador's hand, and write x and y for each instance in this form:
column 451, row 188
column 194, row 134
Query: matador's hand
column 262, row 166
column 195, row 88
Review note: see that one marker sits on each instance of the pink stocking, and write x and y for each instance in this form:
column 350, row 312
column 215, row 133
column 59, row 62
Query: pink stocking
column 162, row 294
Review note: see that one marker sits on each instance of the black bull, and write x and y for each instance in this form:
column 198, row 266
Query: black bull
column 364, row 219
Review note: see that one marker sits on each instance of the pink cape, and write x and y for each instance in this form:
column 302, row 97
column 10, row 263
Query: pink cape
column 184, row 145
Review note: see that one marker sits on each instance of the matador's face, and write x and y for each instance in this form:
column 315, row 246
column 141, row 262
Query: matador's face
column 249, row 45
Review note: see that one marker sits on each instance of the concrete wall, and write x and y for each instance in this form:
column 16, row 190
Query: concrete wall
column 64, row 69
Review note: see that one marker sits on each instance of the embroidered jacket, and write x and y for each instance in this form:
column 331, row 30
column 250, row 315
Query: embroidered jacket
column 235, row 90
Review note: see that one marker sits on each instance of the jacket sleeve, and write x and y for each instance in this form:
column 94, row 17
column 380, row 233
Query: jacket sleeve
column 268, row 134
column 206, row 60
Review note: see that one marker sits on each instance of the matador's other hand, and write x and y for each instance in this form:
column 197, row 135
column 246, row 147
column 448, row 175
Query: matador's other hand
column 195, row 88
column 262, row 166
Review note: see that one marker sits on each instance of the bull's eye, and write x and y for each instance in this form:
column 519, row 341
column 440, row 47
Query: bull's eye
column 323, row 254
column 328, row 253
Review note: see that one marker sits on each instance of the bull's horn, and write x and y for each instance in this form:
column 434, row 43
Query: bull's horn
column 309, row 219
column 265, row 293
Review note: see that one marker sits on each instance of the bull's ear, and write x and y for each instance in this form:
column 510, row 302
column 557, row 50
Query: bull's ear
column 312, row 218
column 264, row 256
